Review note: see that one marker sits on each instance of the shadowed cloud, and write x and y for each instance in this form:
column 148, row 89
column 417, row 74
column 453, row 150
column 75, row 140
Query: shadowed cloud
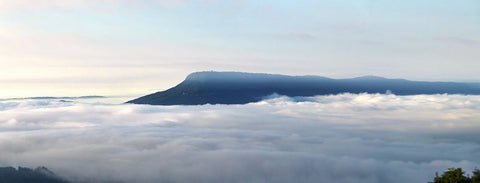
column 334, row 138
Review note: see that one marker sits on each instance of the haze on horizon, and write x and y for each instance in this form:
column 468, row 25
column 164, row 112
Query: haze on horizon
column 91, row 47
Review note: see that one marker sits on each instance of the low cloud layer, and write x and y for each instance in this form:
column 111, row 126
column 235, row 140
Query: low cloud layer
column 338, row 138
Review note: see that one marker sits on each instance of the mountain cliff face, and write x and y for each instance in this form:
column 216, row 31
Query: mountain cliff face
column 240, row 88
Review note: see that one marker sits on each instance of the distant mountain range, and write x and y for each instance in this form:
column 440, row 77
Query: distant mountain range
column 56, row 98
column 241, row 88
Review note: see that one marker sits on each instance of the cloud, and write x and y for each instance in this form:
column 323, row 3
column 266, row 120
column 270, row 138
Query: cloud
column 74, row 4
column 458, row 41
column 335, row 138
column 301, row 36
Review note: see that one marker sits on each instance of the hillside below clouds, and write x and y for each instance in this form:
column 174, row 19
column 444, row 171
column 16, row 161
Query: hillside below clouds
column 241, row 88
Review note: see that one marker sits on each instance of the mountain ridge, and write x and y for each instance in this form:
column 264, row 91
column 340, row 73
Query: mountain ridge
column 211, row 87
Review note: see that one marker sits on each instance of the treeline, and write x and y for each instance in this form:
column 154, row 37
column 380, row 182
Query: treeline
column 457, row 175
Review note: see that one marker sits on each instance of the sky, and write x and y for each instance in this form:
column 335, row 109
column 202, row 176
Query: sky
column 345, row 138
column 127, row 47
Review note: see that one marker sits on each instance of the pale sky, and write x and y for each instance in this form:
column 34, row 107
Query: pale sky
column 128, row 47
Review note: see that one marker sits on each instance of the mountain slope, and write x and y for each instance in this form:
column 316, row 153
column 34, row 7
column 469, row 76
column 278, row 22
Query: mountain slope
column 21, row 175
column 240, row 88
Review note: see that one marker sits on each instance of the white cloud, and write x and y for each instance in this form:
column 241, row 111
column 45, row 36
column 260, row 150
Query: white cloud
column 336, row 138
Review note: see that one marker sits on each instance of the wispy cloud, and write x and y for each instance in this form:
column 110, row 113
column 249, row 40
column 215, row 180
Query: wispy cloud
column 458, row 41
column 337, row 138
column 75, row 4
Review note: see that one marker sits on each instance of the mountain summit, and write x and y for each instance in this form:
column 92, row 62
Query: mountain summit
column 240, row 88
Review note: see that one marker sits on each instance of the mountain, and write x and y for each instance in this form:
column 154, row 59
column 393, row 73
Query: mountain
column 24, row 175
column 54, row 98
column 240, row 88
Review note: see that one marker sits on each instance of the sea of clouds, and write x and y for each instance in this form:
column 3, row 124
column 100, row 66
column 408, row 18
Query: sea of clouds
column 346, row 138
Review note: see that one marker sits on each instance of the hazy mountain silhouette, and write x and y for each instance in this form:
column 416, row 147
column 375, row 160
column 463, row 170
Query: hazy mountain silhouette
column 53, row 98
column 27, row 175
column 240, row 88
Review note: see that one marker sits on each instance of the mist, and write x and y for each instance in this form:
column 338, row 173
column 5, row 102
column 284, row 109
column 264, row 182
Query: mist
column 336, row 138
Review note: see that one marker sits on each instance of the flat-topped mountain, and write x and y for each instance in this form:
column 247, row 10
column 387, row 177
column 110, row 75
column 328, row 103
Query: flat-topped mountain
column 240, row 88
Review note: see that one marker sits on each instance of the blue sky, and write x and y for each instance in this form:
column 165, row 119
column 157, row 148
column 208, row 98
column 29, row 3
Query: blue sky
column 81, row 47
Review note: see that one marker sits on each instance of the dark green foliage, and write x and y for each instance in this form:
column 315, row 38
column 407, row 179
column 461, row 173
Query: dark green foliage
column 476, row 176
column 27, row 175
column 457, row 175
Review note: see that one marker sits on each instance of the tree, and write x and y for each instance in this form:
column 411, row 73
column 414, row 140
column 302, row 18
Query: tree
column 476, row 176
column 453, row 175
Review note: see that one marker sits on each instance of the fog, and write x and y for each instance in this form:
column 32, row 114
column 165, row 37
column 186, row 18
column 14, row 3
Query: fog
column 337, row 138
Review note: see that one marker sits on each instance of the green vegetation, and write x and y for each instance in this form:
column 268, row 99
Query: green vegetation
column 457, row 175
